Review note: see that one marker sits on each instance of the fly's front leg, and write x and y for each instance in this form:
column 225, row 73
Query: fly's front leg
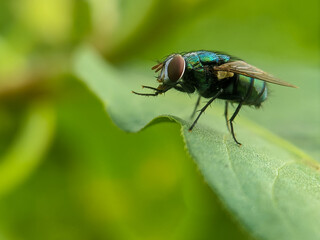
column 180, row 89
column 204, row 108
column 156, row 93
column 186, row 88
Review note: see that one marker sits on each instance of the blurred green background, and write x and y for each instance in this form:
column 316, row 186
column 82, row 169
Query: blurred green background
column 66, row 172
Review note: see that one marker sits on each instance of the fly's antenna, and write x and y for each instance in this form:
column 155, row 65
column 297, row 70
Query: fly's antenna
column 158, row 67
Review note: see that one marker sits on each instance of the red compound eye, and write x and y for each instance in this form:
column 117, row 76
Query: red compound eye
column 176, row 68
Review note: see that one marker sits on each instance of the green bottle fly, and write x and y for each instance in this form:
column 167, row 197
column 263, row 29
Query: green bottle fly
column 214, row 75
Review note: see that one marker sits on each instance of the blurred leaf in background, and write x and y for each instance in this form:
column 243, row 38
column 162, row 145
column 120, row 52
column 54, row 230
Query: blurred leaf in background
column 66, row 172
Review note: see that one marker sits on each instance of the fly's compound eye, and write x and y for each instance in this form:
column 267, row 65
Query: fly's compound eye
column 176, row 68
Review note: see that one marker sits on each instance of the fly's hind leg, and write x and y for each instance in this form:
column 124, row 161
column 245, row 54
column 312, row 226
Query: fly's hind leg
column 226, row 115
column 238, row 109
column 231, row 122
column 195, row 107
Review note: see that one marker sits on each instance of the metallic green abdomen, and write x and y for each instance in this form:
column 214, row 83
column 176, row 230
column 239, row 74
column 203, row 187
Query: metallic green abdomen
column 251, row 91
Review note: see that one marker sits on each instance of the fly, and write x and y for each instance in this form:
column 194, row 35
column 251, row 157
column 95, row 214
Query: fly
column 214, row 75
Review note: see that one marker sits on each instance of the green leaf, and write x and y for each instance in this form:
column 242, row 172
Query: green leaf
column 269, row 185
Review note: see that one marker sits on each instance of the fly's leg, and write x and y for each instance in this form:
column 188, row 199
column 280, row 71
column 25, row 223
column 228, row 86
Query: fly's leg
column 156, row 93
column 238, row 109
column 195, row 107
column 204, row 108
column 152, row 88
column 147, row 94
column 226, row 115
column 231, row 122
column 180, row 89
column 186, row 88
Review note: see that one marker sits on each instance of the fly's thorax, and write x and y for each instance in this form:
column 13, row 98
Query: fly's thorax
column 198, row 59
column 200, row 70
column 172, row 69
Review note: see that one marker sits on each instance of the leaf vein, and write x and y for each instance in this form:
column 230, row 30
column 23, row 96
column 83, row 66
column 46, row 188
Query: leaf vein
column 277, row 177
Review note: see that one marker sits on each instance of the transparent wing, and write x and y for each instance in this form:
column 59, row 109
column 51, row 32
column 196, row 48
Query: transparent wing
column 248, row 70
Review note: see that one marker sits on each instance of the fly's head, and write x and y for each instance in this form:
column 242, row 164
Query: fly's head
column 171, row 70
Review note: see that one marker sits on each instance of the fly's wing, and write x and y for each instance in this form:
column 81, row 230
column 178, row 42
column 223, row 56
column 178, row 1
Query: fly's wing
column 243, row 68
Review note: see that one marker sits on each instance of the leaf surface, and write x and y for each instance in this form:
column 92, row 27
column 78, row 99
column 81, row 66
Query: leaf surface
column 268, row 184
